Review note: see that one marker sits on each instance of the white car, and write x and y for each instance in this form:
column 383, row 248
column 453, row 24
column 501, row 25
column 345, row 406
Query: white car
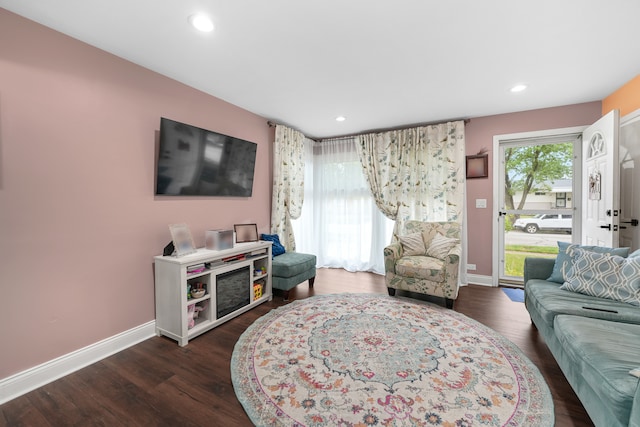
column 560, row 222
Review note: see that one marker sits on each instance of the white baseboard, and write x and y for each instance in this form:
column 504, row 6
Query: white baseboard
column 26, row 381
column 477, row 279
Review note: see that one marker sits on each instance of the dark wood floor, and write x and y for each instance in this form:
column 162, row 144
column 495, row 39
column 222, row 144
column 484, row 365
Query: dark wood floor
column 158, row 383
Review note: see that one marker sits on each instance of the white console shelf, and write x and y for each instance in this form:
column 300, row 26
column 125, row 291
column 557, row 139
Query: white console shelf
column 229, row 288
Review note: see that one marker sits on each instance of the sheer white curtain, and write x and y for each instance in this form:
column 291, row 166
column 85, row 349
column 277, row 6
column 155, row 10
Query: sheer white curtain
column 340, row 222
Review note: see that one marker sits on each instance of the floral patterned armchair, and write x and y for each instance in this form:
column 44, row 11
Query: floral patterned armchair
column 431, row 269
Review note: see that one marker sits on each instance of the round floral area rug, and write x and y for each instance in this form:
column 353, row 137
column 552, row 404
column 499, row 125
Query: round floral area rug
column 373, row 360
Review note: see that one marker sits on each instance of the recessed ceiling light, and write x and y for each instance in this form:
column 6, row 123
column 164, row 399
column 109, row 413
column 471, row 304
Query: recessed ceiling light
column 201, row 22
column 341, row 119
column 518, row 88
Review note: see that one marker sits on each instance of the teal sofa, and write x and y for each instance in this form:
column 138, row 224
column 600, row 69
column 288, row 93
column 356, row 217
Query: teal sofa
column 596, row 342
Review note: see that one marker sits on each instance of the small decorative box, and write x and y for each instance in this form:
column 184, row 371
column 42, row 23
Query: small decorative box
column 257, row 290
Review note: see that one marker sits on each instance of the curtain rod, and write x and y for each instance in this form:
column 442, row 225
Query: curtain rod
column 272, row 124
column 390, row 129
column 466, row 121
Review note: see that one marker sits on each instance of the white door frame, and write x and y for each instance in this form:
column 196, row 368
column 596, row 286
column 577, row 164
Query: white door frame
column 631, row 234
column 577, row 174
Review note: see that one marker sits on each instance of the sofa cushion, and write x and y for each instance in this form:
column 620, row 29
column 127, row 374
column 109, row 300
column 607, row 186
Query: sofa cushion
column 412, row 244
column 604, row 276
column 603, row 353
column 440, row 246
column 291, row 264
column 421, row 267
column 564, row 262
column 548, row 300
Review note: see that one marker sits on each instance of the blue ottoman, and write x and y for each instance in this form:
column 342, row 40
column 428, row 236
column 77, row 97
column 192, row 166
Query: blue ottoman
column 290, row 269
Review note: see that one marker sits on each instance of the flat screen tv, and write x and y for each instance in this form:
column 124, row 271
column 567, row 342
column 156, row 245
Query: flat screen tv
column 199, row 162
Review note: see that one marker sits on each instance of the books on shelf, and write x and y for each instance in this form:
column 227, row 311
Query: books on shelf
column 238, row 257
column 197, row 268
column 214, row 264
column 257, row 252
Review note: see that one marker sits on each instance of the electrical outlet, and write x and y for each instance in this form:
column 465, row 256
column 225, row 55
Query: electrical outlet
column 471, row 267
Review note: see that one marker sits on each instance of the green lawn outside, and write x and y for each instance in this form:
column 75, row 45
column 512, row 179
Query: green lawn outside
column 515, row 255
column 533, row 249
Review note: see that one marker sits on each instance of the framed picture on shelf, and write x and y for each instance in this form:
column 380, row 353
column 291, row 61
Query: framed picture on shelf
column 182, row 240
column 478, row 166
column 246, row 233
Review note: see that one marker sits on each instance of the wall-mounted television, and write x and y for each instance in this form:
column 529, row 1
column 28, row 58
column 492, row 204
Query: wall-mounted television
column 197, row 162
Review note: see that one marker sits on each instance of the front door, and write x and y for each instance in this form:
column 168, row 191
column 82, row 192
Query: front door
column 630, row 181
column 531, row 170
column 600, row 182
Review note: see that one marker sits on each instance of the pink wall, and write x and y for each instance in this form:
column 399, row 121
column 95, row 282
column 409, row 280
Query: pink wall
column 79, row 223
column 479, row 134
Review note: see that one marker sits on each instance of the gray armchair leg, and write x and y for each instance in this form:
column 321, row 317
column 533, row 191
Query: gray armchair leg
column 391, row 291
column 313, row 279
column 449, row 303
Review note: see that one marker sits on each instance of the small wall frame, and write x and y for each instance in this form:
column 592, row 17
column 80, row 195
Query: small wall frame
column 478, row 166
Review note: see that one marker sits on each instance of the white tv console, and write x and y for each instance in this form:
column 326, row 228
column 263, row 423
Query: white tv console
column 227, row 282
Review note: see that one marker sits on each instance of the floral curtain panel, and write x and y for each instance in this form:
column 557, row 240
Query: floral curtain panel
column 288, row 183
column 416, row 173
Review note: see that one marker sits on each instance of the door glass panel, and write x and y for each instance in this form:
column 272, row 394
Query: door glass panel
column 630, row 182
column 537, row 202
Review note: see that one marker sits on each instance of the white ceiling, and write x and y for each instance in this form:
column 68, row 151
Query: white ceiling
column 380, row 63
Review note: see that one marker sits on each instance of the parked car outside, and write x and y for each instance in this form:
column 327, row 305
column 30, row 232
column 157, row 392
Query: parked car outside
column 546, row 222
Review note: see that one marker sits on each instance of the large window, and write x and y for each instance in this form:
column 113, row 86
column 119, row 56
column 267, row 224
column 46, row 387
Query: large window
column 340, row 222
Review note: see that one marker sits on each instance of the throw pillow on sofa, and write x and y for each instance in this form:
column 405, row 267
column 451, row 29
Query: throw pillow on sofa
column 604, row 275
column 564, row 263
column 441, row 245
column 412, row 244
column 276, row 247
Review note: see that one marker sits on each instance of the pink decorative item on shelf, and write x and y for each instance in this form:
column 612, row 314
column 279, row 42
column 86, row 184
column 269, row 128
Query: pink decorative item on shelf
column 191, row 311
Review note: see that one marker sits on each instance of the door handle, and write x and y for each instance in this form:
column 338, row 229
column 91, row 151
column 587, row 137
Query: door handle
column 608, row 226
column 633, row 222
